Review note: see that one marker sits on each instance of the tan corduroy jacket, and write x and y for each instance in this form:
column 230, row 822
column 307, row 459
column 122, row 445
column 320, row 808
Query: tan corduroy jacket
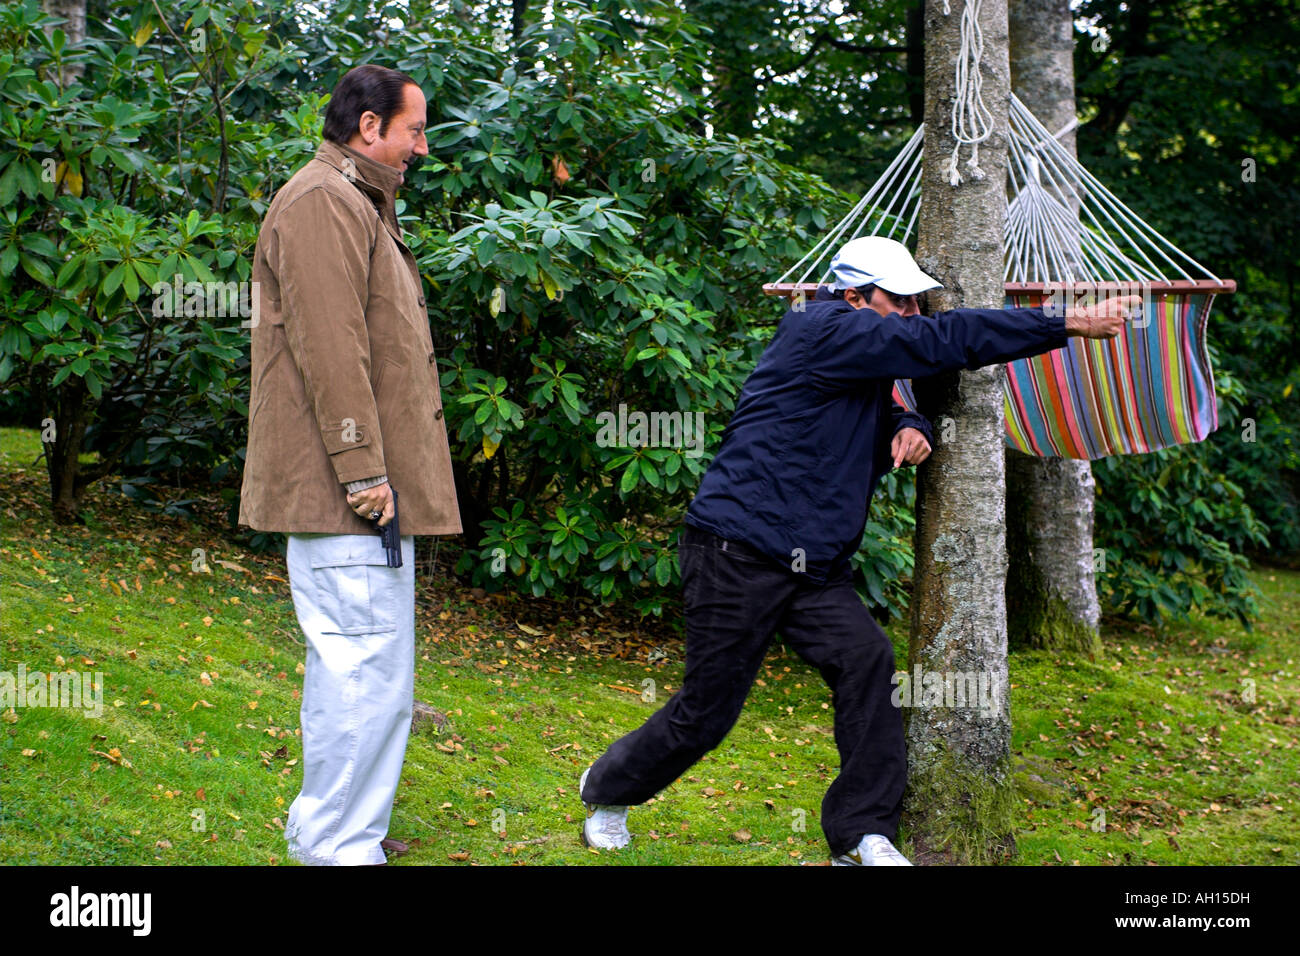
column 344, row 381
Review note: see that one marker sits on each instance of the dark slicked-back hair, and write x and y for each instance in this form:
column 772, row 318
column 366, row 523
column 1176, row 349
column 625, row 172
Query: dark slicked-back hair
column 825, row 292
column 366, row 87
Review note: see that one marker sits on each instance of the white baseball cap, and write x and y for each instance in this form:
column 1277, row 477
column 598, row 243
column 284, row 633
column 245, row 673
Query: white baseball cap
column 875, row 260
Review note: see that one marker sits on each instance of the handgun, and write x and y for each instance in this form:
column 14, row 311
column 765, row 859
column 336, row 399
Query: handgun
column 390, row 536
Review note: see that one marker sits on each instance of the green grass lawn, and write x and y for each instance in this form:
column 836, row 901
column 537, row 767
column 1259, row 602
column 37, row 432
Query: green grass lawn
column 195, row 758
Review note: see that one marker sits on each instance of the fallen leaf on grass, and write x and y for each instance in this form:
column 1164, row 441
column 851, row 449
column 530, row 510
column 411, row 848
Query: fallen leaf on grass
column 113, row 756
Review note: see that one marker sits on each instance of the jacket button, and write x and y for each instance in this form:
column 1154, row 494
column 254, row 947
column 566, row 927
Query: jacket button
column 432, row 358
column 438, row 414
column 421, row 300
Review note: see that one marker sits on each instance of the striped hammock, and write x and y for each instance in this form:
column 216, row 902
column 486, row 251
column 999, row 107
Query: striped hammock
column 1148, row 388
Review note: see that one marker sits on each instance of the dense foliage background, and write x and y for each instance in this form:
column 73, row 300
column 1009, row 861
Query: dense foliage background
column 609, row 184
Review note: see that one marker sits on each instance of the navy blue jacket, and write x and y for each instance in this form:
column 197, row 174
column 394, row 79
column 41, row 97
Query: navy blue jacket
column 810, row 436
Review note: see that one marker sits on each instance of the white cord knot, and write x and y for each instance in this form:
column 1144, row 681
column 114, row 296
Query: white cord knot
column 954, row 174
column 972, row 123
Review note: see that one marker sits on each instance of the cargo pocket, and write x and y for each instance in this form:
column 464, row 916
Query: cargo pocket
column 357, row 589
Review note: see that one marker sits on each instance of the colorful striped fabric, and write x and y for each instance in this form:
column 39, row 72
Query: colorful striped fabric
column 1148, row 388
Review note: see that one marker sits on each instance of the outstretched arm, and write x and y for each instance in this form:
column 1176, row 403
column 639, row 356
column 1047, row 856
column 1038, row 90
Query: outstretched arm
column 851, row 347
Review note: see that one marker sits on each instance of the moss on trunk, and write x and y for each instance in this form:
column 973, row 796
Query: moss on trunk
column 957, row 813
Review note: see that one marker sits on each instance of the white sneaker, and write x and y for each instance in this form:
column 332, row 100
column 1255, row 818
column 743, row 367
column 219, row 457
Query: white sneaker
column 874, row 850
column 605, row 827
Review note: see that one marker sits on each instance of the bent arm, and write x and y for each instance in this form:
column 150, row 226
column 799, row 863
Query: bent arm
column 902, row 418
column 322, row 262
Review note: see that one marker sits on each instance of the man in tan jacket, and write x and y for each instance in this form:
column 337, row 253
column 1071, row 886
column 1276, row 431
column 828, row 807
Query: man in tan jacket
column 345, row 407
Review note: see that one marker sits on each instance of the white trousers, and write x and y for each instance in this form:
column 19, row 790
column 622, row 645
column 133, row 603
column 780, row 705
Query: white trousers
column 358, row 616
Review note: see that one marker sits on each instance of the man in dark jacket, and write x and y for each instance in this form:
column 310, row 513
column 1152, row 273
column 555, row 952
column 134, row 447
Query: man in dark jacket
column 768, row 538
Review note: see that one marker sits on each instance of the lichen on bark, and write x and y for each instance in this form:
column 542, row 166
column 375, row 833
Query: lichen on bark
column 1051, row 590
column 959, row 798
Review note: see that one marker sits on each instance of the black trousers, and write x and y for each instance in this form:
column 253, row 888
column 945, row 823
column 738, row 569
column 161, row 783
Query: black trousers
column 735, row 599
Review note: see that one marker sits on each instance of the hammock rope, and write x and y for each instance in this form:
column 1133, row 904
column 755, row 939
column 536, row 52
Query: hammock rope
column 972, row 122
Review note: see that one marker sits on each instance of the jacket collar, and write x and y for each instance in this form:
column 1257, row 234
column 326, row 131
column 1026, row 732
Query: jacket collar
column 378, row 181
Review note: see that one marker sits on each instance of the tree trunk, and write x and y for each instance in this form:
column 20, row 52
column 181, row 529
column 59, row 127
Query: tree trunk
column 916, row 62
column 960, row 801
column 1051, row 585
column 73, row 12
column 518, row 19
column 63, row 454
